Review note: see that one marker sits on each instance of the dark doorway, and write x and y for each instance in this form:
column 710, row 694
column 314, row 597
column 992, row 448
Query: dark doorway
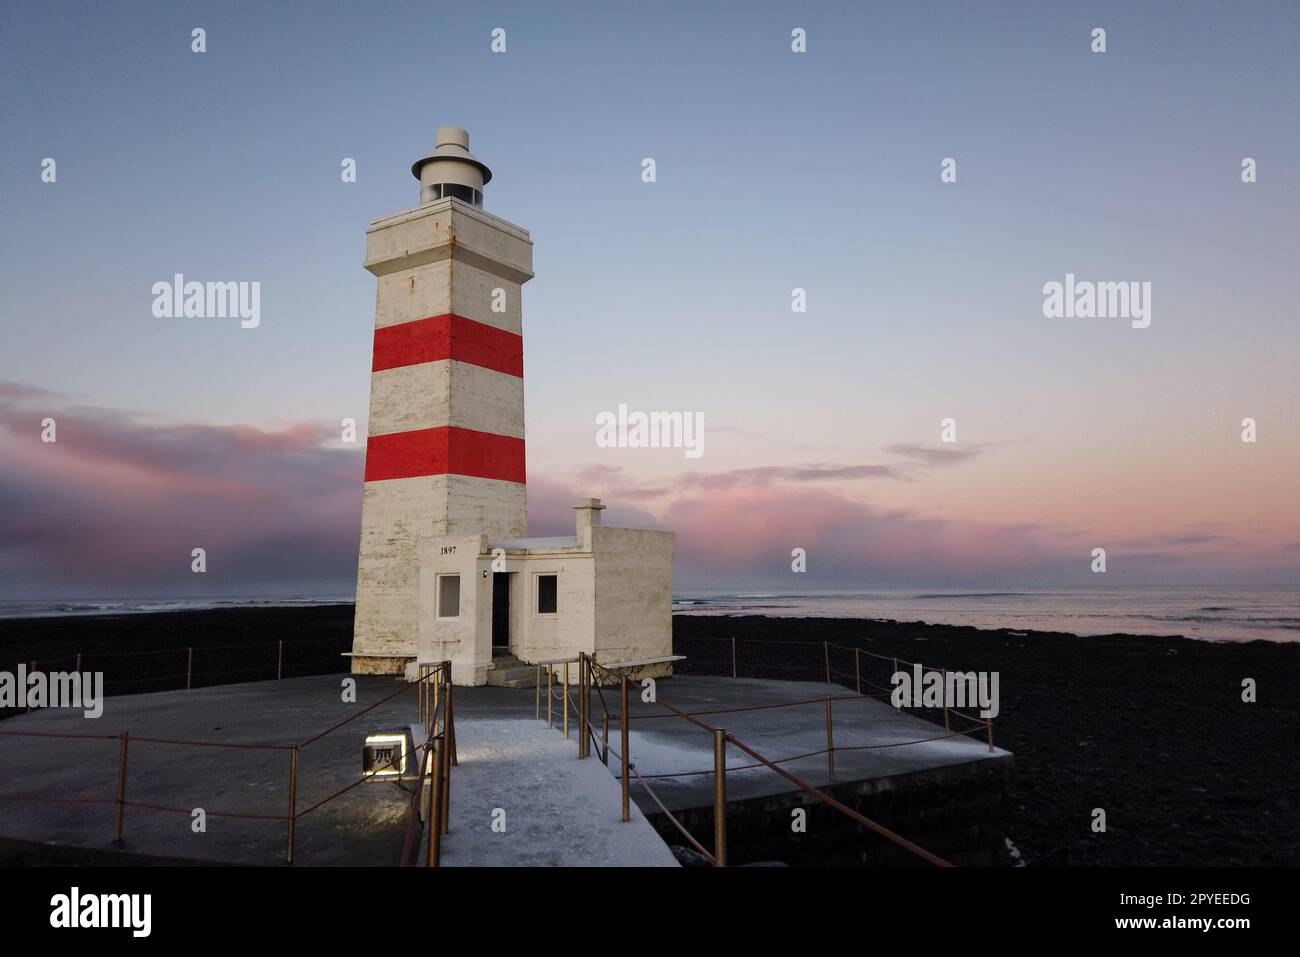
column 500, row 614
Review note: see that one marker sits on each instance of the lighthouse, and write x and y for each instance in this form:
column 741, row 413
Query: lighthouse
column 445, row 569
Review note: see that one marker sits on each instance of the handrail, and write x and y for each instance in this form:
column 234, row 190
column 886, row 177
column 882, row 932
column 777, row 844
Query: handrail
column 442, row 670
column 132, row 682
column 842, row 807
column 642, row 662
column 434, row 764
column 832, row 644
column 721, row 737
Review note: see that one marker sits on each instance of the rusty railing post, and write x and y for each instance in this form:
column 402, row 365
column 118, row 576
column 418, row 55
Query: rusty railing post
column 944, row 692
column 581, row 680
column 566, row 701
column 584, row 707
column 550, row 696
column 604, row 738
column 830, row 737
column 826, row 653
column 121, row 786
column 433, row 819
column 437, row 694
column 78, row 662
column 587, row 728
column 430, row 682
column 857, row 668
column 989, row 724
column 435, row 697
column 537, row 685
column 279, row 662
column 449, row 723
column 626, row 769
column 733, row 656
column 293, row 797
column 719, row 798
column 444, row 810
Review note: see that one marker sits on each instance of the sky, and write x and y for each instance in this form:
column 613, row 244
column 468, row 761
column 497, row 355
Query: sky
column 775, row 170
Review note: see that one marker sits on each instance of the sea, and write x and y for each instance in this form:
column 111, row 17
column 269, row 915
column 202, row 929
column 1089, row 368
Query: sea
column 1219, row 613
column 1211, row 613
column 58, row 608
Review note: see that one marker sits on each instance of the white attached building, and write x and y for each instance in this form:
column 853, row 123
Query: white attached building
column 445, row 570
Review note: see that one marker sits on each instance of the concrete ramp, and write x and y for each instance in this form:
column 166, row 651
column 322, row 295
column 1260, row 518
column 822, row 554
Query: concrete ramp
column 557, row 810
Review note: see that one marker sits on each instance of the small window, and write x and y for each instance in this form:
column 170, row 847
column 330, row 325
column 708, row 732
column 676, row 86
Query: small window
column 464, row 193
column 448, row 596
column 547, row 590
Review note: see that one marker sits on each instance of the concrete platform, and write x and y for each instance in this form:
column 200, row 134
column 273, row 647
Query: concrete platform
column 365, row 826
column 945, row 795
column 559, row 810
column 669, row 745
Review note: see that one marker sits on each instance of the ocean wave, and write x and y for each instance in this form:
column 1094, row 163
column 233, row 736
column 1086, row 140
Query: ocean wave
column 975, row 594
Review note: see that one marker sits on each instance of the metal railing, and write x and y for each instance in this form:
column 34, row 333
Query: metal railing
column 550, row 666
column 593, row 674
column 856, row 680
column 437, row 758
column 185, row 679
column 435, row 674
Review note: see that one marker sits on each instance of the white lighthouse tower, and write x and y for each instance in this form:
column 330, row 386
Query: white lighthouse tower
column 445, row 570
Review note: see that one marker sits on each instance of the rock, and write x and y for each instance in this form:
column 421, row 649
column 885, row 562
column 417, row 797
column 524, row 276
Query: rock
column 688, row 856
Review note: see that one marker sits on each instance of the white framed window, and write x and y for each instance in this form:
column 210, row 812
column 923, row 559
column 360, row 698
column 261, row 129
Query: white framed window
column 547, row 594
column 448, row 596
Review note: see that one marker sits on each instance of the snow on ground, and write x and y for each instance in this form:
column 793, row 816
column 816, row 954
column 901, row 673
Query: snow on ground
column 557, row 810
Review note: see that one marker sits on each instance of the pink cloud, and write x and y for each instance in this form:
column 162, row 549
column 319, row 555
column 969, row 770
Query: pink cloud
column 749, row 534
column 118, row 503
column 730, row 531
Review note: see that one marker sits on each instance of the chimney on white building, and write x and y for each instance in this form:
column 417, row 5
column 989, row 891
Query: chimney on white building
column 588, row 510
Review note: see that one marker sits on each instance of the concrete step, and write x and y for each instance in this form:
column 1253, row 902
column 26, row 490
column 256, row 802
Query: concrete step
column 510, row 672
column 530, row 681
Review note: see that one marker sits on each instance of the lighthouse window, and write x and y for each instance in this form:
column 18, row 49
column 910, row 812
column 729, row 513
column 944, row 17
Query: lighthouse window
column 448, row 596
column 465, row 193
column 547, row 593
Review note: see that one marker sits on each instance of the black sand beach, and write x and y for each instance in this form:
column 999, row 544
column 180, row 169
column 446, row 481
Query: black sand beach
column 1153, row 730
column 150, row 652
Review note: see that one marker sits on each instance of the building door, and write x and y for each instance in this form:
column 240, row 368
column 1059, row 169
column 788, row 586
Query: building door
column 500, row 614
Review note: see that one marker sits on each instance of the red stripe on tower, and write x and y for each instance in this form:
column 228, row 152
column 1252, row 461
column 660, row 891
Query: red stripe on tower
column 446, row 450
column 448, row 336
